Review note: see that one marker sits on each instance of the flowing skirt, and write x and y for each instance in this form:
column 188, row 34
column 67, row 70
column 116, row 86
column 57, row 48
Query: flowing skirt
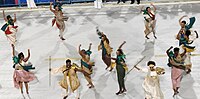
column 152, row 89
column 22, row 76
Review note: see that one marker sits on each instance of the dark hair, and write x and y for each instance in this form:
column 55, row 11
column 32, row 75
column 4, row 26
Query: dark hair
column 147, row 8
column 59, row 5
column 120, row 51
column 68, row 61
column 176, row 49
column 151, row 63
column 187, row 33
column 183, row 22
column 8, row 17
column 20, row 55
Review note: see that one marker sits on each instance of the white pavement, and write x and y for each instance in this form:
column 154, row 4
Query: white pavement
column 119, row 23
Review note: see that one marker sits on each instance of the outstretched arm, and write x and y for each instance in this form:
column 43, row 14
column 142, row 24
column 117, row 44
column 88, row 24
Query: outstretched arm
column 181, row 19
column 90, row 46
column 137, row 67
column 15, row 18
column 4, row 16
column 169, row 50
column 141, row 9
column 122, row 44
column 153, row 6
column 13, row 50
column 27, row 58
column 51, row 7
column 79, row 51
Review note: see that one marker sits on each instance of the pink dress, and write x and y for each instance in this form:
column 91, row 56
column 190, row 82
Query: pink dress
column 20, row 75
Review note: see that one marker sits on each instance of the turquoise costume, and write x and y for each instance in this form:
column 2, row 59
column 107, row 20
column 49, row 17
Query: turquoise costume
column 26, row 68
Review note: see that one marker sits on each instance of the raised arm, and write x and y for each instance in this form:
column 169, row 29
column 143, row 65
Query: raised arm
column 4, row 16
column 154, row 6
column 13, row 50
column 90, row 46
column 180, row 20
column 15, row 18
column 141, row 9
column 169, row 50
column 122, row 44
column 27, row 58
column 182, row 54
column 51, row 7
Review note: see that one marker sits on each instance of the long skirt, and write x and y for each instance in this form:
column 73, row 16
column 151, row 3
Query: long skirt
column 176, row 75
column 152, row 89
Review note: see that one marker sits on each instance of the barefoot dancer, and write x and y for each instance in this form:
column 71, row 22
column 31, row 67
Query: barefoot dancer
column 120, row 66
column 151, row 84
column 59, row 18
column 176, row 61
column 150, row 21
column 9, row 28
column 86, row 64
column 106, row 49
column 21, row 73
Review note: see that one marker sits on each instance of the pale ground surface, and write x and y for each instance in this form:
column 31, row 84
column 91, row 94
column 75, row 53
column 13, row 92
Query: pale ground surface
column 119, row 23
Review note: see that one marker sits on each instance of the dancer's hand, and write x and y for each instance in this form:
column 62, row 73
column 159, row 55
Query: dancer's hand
column 151, row 3
column 80, row 45
column 124, row 42
column 28, row 50
column 90, row 44
column 51, row 3
column 171, row 47
column 12, row 45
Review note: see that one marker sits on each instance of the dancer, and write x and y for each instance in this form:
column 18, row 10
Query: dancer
column 9, row 28
column 31, row 4
column 106, row 49
column 21, row 73
column 186, row 37
column 176, row 61
column 86, row 64
column 70, row 80
column 59, row 18
column 150, row 20
column 151, row 84
column 120, row 66
column 183, row 22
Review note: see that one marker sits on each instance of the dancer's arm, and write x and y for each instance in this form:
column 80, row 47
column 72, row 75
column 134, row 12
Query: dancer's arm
column 27, row 58
column 15, row 18
column 169, row 50
column 197, row 36
column 13, row 50
column 182, row 54
column 122, row 44
column 137, row 67
column 180, row 20
column 79, row 51
column 4, row 16
column 141, row 9
column 153, row 7
column 51, row 7
column 90, row 46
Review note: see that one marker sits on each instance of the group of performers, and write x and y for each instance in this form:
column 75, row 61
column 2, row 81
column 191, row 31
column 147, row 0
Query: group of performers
column 180, row 62
column 151, row 85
